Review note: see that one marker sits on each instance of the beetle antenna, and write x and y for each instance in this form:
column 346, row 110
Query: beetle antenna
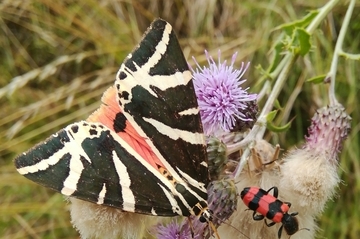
column 307, row 229
column 304, row 228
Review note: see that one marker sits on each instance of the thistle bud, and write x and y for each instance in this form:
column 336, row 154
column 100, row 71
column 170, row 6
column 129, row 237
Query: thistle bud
column 222, row 199
column 251, row 112
column 217, row 158
column 329, row 128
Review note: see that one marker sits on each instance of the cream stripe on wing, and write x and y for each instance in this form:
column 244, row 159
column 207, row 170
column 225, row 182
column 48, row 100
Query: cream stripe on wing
column 45, row 163
column 187, row 136
column 102, row 195
column 71, row 181
column 160, row 49
column 125, row 182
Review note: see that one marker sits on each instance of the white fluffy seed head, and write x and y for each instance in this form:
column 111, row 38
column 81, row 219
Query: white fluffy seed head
column 98, row 221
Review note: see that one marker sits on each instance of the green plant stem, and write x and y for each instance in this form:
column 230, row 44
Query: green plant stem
column 323, row 12
column 258, row 131
column 331, row 76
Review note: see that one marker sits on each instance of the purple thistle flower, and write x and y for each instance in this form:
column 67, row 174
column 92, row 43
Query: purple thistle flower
column 221, row 98
column 173, row 230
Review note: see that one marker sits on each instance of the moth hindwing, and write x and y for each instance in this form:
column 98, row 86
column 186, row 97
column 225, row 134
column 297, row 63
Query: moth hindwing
column 143, row 150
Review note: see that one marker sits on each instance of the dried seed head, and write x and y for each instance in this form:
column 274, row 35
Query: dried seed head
column 98, row 221
column 309, row 174
column 307, row 177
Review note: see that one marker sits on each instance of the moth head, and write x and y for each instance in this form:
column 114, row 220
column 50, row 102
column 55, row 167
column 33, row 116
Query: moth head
column 206, row 215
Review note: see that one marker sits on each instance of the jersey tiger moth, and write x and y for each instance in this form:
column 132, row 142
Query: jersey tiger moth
column 144, row 149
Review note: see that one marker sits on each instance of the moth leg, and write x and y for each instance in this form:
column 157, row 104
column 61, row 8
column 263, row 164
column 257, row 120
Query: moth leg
column 192, row 230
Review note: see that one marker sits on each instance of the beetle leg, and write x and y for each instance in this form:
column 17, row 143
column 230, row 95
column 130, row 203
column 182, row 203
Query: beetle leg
column 269, row 224
column 275, row 193
column 280, row 231
column 288, row 203
column 257, row 217
column 294, row 214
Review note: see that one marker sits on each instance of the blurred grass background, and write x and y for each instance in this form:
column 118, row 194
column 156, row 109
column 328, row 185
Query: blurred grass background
column 57, row 58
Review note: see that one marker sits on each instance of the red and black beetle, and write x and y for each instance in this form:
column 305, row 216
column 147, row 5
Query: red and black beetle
column 269, row 206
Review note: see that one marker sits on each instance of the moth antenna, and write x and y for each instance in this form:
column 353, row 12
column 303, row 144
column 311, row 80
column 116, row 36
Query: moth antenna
column 209, row 228
column 214, row 230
